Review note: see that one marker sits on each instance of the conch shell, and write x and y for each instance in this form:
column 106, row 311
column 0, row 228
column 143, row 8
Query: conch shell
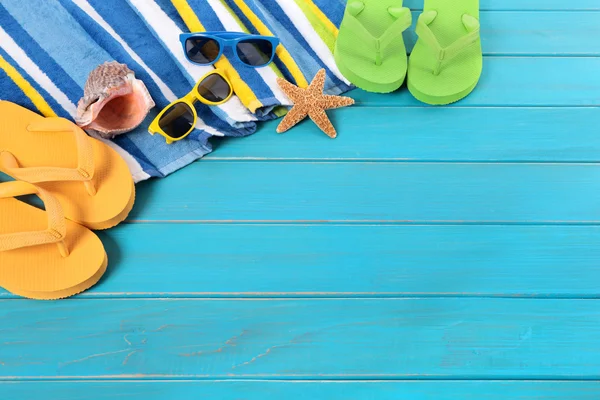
column 113, row 102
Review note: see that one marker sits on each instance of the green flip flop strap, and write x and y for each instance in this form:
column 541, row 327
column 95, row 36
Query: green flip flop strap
column 445, row 54
column 402, row 23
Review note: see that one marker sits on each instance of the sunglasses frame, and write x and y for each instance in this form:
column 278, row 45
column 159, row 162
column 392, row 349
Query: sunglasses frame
column 189, row 100
column 228, row 39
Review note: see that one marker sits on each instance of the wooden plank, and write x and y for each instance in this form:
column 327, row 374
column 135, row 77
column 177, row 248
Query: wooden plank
column 525, row 33
column 530, row 5
column 518, row 81
column 309, row 339
column 431, row 134
column 550, row 33
column 374, row 192
column 300, row 390
column 197, row 260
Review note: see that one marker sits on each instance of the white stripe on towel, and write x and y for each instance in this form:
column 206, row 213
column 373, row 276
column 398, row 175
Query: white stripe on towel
column 21, row 58
column 267, row 74
column 135, row 168
column 168, row 33
column 89, row 10
column 304, row 26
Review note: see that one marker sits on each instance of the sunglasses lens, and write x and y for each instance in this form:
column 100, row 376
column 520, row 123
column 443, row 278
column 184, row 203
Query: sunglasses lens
column 255, row 52
column 202, row 50
column 214, row 88
column 177, row 121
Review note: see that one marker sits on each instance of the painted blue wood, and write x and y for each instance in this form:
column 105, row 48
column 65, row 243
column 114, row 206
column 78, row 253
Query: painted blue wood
column 526, row 33
column 309, row 339
column 556, row 33
column 459, row 206
column 197, row 260
column 430, row 134
column 232, row 191
column 529, row 5
column 299, row 390
column 518, row 81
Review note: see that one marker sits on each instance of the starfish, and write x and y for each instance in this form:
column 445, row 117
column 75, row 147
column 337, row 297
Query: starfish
column 311, row 102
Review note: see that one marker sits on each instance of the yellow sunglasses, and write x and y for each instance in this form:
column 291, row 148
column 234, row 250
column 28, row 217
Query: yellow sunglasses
column 176, row 121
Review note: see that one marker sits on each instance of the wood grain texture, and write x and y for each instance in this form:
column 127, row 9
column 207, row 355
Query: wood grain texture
column 197, row 260
column 299, row 390
column 316, row 339
column 374, row 192
column 427, row 253
column 543, row 134
column 518, row 81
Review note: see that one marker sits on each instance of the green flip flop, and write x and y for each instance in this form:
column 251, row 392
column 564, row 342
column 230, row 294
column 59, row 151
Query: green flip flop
column 447, row 60
column 370, row 50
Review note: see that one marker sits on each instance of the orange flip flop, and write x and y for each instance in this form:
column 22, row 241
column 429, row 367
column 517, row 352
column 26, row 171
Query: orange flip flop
column 90, row 180
column 43, row 255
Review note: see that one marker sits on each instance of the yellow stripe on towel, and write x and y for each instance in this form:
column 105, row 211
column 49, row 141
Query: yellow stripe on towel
column 323, row 18
column 243, row 91
column 284, row 55
column 235, row 17
column 29, row 91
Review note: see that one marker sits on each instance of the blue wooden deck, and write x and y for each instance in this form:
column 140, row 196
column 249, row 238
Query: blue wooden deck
column 427, row 253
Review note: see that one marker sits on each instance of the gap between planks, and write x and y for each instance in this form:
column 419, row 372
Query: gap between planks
column 360, row 223
column 343, row 160
column 274, row 296
column 333, row 296
column 295, row 378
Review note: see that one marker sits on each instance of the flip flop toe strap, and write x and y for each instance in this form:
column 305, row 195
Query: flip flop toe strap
column 84, row 172
column 56, row 231
column 403, row 22
column 378, row 44
column 445, row 54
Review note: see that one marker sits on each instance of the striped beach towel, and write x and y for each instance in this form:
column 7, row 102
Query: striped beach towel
column 48, row 48
column 307, row 30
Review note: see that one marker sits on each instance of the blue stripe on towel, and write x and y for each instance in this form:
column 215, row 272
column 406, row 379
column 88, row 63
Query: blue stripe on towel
column 211, row 22
column 152, row 149
column 130, row 27
column 305, row 56
column 39, row 56
column 208, row 115
column 11, row 92
column 155, row 56
column 252, row 29
column 126, row 144
column 66, row 41
column 245, row 21
column 17, row 96
column 148, row 148
column 172, row 12
column 115, row 50
column 307, row 59
column 333, row 9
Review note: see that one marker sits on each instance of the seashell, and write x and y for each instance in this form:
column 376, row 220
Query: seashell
column 114, row 101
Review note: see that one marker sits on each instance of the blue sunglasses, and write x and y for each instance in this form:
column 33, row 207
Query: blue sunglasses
column 205, row 48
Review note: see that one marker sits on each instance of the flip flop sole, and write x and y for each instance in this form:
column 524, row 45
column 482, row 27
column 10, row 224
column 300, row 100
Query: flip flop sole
column 111, row 223
column 370, row 50
column 456, row 76
column 362, row 83
column 115, row 192
column 39, row 271
column 64, row 293
column 439, row 100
